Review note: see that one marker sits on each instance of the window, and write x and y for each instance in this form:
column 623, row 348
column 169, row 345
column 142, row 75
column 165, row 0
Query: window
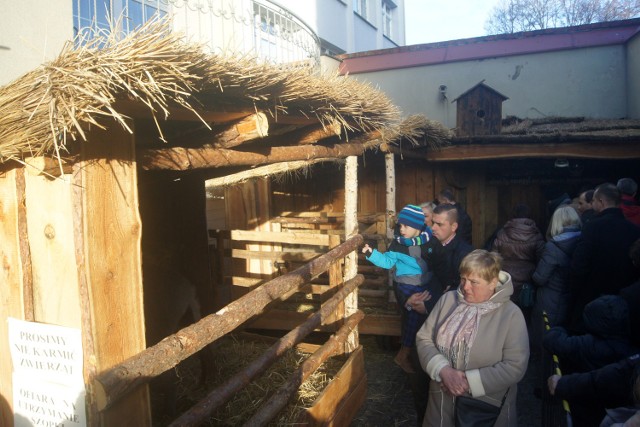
column 92, row 15
column 387, row 18
column 361, row 7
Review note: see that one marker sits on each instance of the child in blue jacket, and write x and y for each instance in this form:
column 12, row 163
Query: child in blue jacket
column 407, row 254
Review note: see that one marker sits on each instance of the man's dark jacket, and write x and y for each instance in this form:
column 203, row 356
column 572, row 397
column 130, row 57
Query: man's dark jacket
column 600, row 264
column 445, row 262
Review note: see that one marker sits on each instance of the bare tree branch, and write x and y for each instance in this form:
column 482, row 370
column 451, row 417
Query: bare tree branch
column 511, row 16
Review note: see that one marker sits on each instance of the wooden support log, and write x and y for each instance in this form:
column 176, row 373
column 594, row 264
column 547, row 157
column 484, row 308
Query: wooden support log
column 139, row 110
column 263, row 171
column 180, row 158
column 281, row 397
column 220, row 395
column 121, row 379
column 250, row 128
column 305, row 135
column 280, row 237
column 297, row 256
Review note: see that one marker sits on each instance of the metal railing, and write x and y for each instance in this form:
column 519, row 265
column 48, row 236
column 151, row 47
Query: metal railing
column 260, row 28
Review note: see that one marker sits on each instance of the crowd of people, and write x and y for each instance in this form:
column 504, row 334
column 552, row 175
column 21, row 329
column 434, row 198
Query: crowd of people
column 473, row 320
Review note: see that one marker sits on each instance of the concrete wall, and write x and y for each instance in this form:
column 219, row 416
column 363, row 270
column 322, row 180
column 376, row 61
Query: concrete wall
column 633, row 78
column 31, row 32
column 588, row 82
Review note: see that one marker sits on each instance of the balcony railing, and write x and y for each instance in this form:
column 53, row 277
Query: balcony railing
column 231, row 27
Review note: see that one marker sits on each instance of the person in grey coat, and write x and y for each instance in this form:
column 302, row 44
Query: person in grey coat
column 474, row 343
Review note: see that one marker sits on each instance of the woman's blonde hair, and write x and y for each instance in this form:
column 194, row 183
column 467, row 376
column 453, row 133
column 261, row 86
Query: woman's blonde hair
column 484, row 263
column 564, row 216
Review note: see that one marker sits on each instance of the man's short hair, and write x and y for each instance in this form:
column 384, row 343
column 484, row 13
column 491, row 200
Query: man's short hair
column 450, row 210
column 447, row 193
column 609, row 193
column 627, row 186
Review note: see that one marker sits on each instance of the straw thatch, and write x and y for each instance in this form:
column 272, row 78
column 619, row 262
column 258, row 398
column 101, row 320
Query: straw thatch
column 47, row 109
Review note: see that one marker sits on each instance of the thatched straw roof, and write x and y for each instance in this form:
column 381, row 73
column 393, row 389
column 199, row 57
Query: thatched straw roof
column 154, row 73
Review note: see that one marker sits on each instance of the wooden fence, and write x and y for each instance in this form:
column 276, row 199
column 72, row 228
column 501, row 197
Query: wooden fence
column 120, row 380
column 243, row 260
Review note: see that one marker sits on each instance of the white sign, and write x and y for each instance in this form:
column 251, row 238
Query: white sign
column 48, row 385
column 48, row 352
column 47, row 404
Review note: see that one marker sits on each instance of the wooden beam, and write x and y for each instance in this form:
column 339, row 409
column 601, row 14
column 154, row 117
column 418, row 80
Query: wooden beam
column 373, row 324
column 111, row 236
column 139, row 110
column 246, row 129
column 47, row 166
column 592, row 149
column 304, row 135
column 263, row 171
column 179, row 158
column 295, row 256
column 339, row 402
column 280, row 237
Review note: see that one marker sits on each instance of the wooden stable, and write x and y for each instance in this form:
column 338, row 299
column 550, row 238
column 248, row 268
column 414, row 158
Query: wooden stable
column 104, row 166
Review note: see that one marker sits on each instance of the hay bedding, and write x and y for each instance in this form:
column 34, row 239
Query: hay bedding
column 232, row 353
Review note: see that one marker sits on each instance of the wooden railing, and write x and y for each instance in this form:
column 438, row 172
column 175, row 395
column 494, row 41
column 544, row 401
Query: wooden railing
column 118, row 381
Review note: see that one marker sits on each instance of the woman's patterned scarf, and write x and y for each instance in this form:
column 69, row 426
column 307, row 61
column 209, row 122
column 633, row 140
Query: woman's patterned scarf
column 457, row 334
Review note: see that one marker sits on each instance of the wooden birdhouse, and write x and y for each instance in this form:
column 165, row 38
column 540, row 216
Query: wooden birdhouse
column 479, row 111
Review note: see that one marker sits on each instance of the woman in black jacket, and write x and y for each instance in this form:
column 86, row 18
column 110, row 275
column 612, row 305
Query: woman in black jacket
column 551, row 276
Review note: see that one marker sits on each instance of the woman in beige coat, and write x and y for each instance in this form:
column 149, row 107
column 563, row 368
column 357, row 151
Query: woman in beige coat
column 474, row 342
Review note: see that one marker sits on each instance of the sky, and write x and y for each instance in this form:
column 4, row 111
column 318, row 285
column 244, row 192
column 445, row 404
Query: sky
column 430, row 21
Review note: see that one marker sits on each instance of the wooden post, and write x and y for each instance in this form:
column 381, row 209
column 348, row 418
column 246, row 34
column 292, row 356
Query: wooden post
column 350, row 230
column 12, row 299
column 390, row 180
column 335, row 279
column 111, row 265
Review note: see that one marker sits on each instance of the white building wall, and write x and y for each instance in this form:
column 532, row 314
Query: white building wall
column 32, row 32
column 633, row 78
column 588, row 82
column 337, row 23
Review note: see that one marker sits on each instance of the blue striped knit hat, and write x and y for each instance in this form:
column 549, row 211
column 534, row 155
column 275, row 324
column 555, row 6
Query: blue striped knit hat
column 412, row 216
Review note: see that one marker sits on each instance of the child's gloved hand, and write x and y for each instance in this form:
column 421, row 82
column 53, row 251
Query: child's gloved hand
column 366, row 248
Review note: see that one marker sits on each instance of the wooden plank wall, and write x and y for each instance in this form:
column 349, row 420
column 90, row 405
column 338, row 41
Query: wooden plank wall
column 12, row 303
column 48, row 204
column 489, row 205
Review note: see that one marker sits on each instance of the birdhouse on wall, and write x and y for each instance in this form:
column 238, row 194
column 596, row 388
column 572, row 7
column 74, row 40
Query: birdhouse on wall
column 479, row 111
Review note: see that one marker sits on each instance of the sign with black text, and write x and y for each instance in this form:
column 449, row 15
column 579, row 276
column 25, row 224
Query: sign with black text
column 48, row 385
